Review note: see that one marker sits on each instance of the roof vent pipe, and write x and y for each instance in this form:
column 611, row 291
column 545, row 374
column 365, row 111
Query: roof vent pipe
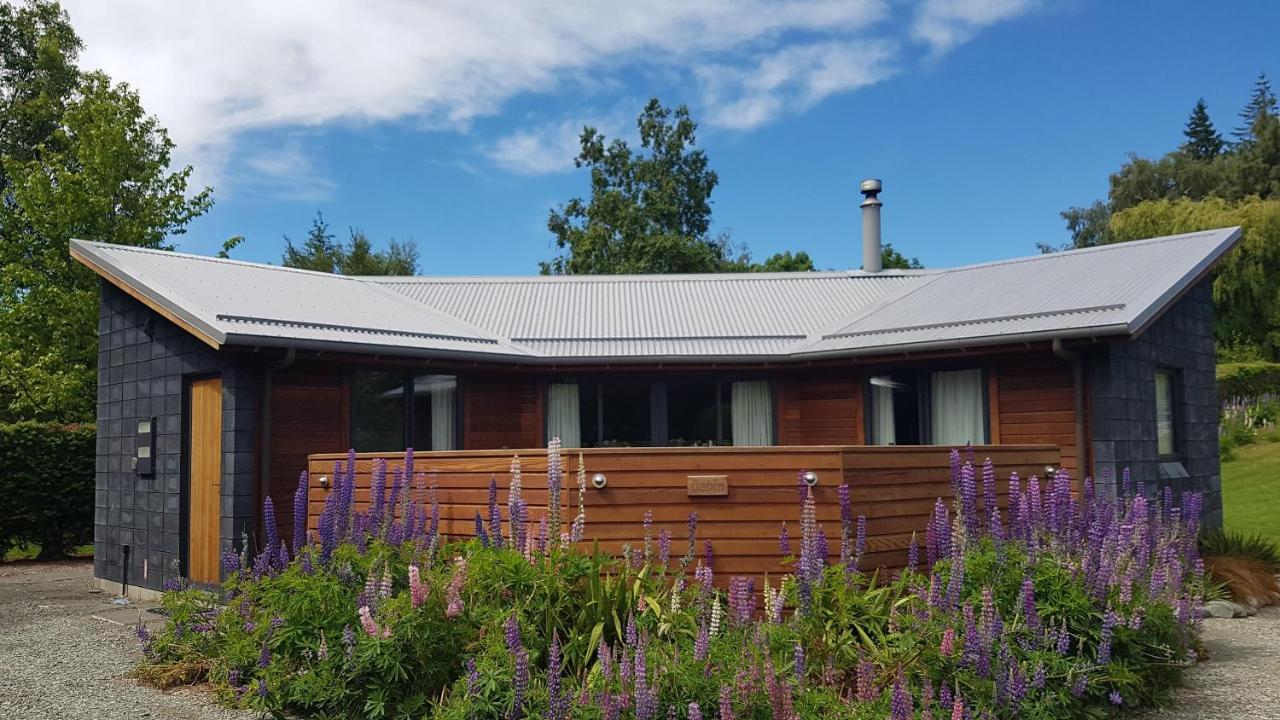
column 871, row 258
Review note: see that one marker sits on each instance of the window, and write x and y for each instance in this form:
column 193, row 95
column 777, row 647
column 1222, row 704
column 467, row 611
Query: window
column 392, row 410
column 1166, row 438
column 675, row 411
column 945, row 407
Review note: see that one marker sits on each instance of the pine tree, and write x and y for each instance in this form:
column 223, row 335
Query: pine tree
column 1262, row 102
column 1203, row 141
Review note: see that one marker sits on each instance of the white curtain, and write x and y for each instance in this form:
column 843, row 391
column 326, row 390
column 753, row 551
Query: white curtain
column 563, row 419
column 444, row 413
column 1164, row 413
column 751, row 412
column 957, row 408
column 882, row 418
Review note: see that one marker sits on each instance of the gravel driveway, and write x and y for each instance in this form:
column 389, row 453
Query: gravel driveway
column 58, row 661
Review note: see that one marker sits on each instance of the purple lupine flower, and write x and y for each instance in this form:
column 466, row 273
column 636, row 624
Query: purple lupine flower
column 846, row 526
column 1109, row 622
column 473, row 677
column 233, row 678
column 944, row 699
column 900, row 707
column 519, row 683
column 784, row 541
column 495, row 516
column 1039, row 677
column 1016, row 685
column 695, row 712
column 664, row 547
column 955, row 577
column 821, row 550
column 377, row 494
column 798, row 662
column 433, row 529
column 866, row 678
column 300, row 512
column 913, row 554
column 1116, row 698
column 512, row 630
column 230, row 562
column 349, row 641
column 480, row 531
column 969, row 500
column 701, row 643
column 726, row 703
column 262, row 688
column 1080, row 685
column 860, row 541
column 692, row 551
column 1029, row 604
column 273, row 531
column 397, row 487
column 955, row 472
column 558, row 704
column 1015, row 495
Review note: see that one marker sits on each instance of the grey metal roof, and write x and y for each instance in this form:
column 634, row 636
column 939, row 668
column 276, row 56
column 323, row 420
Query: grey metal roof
column 1104, row 291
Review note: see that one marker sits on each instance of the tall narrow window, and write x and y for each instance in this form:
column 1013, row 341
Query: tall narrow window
column 564, row 414
column 1166, row 441
column 435, row 412
column 751, row 409
column 695, row 412
column 957, row 407
column 895, row 409
column 626, row 413
column 377, row 411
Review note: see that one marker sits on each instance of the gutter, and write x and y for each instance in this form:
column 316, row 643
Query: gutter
column 264, row 460
column 1077, row 397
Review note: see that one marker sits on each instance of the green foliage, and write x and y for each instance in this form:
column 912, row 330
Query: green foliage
column 79, row 158
column 1244, row 290
column 1248, row 380
column 46, row 482
column 1251, row 488
column 891, row 259
column 649, row 210
column 1252, row 546
column 321, row 251
column 1203, row 141
column 1261, row 103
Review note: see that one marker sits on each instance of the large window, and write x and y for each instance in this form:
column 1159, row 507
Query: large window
column 1166, row 437
column 619, row 411
column 945, row 407
column 392, row 410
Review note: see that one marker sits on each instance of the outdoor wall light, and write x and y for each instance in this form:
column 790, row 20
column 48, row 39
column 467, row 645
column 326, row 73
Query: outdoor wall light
column 323, row 480
column 1050, row 471
column 810, row 478
column 598, row 481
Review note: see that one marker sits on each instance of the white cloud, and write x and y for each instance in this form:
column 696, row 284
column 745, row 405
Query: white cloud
column 547, row 148
column 284, row 170
column 944, row 24
column 215, row 71
column 793, row 79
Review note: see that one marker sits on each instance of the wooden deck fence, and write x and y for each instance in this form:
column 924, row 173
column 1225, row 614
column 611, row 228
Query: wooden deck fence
column 894, row 487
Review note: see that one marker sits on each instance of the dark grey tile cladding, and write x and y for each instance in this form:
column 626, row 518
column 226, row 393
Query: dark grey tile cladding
column 140, row 376
column 1121, row 380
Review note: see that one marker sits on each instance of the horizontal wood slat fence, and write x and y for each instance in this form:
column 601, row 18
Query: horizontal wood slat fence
column 894, row 487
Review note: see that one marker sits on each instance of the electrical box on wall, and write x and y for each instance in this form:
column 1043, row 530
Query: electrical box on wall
column 144, row 457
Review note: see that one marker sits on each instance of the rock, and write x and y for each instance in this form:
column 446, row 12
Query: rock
column 1219, row 609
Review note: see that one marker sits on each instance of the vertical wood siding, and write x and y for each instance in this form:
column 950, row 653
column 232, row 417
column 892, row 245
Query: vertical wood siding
column 308, row 411
column 1035, row 404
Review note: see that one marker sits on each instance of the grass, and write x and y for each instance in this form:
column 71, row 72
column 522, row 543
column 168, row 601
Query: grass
column 29, row 552
column 1251, row 490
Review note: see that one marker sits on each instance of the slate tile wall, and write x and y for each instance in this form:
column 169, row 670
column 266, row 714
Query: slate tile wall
column 1122, row 403
column 144, row 362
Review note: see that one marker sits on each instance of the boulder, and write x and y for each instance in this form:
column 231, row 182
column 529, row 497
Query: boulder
column 1222, row 609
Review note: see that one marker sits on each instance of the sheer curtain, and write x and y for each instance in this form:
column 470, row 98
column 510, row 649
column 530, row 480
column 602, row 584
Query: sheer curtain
column 562, row 414
column 957, row 407
column 751, row 412
column 444, row 413
column 882, row 418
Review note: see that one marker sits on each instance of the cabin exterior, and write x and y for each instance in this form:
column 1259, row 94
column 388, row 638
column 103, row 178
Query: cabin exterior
column 219, row 381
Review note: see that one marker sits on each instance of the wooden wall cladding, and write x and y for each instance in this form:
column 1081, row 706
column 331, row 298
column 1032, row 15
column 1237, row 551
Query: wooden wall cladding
column 820, row 409
column 308, row 411
column 895, row 487
column 1035, row 403
column 501, row 412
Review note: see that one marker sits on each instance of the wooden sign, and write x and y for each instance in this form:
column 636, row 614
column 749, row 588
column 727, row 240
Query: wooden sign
column 708, row 485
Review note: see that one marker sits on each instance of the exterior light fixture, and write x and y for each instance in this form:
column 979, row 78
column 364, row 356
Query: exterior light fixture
column 598, row 481
column 810, row 478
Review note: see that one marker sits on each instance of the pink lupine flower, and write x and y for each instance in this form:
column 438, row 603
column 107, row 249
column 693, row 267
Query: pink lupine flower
column 453, row 594
column 957, row 709
column 417, row 588
column 370, row 625
column 948, row 642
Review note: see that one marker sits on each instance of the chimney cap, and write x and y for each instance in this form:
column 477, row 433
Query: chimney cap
column 870, row 186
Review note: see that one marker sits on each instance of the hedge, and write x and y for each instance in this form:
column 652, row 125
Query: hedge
column 46, row 486
column 1248, row 379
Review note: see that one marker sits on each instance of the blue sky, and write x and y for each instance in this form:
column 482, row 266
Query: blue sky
column 455, row 126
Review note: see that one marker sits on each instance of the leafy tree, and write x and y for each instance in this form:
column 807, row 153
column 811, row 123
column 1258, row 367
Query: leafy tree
column 1244, row 286
column 649, row 210
column 79, row 158
column 321, row 251
column 891, row 259
column 1262, row 102
column 1203, row 141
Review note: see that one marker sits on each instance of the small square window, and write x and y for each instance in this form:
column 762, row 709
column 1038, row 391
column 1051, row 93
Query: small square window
column 1166, row 438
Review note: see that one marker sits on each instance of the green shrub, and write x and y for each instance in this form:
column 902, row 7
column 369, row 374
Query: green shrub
column 1248, row 379
column 46, row 483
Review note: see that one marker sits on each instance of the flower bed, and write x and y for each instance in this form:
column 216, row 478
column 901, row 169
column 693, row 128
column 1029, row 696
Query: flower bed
column 1062, row 607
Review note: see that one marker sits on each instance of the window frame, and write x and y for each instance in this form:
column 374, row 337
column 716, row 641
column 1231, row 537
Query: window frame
column 1175, row 412
column 406, row 404
column 659, row 395
column 922, row 377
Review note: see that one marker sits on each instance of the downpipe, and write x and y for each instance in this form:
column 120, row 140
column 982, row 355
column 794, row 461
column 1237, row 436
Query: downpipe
column 1077, row 398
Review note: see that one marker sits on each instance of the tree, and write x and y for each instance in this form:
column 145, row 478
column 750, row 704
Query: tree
column 785, row 262
column 649, row 210
column 321, row 251
column 79, row 158
column 1244, row 287
column 1203, row 141
column 891, row 259
column 1262, row 102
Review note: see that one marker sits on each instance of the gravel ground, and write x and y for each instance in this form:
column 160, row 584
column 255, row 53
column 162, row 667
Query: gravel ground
column 1241, row 678
column 58, row 661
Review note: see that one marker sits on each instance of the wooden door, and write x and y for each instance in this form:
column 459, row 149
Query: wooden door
column 205, row 486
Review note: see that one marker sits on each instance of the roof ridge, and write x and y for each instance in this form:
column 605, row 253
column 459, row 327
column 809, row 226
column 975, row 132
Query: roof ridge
column 216, row 260
column 631, row 279
column 1087, row 250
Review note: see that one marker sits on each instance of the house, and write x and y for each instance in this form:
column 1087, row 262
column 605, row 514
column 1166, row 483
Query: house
column 218, row 378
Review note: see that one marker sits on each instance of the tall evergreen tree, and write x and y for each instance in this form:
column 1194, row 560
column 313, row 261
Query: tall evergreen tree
column 1262, row 102
column 323, row 252
column 1203, row 141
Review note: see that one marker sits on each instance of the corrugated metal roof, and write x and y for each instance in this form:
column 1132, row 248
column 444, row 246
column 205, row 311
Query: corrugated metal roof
column 1110, row 290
